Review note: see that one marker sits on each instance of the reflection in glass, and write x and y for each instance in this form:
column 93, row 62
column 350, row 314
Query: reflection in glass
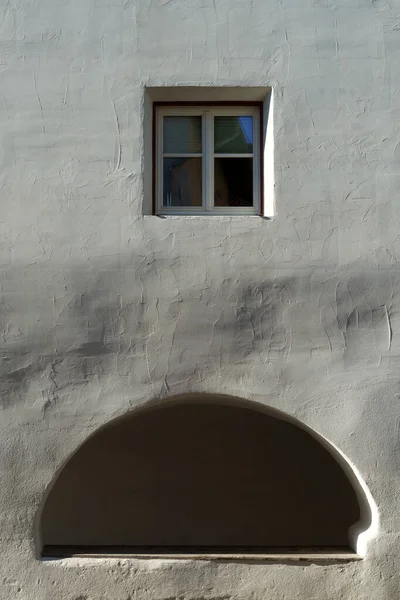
column 233, row 182
column 182, row 135
column 182, row 182
column 233, row 135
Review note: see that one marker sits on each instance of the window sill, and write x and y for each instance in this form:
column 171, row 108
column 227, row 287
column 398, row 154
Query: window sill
column 224, row 215
column 331, row 555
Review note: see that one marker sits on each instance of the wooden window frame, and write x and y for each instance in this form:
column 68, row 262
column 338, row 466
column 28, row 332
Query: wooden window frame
column 208, row 110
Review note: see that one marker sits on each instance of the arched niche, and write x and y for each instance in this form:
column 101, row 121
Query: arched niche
column 203, row 475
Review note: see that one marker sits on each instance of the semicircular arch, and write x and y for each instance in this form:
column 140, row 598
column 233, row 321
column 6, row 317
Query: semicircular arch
column 205, row 473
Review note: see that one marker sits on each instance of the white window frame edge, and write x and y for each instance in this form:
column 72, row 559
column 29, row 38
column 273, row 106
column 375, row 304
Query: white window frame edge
column 208, row 112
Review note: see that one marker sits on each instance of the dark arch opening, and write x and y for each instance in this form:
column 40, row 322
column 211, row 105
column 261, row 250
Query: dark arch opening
column 201, row 475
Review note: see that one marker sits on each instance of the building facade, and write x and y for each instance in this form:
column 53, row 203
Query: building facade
column 111, row 305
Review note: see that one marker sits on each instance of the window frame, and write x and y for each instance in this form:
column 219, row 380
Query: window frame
column 208, row 110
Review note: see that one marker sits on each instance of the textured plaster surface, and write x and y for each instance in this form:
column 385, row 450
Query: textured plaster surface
column 103, row 309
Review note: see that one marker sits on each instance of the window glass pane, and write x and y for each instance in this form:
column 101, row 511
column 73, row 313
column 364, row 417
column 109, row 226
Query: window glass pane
column 233, row 182
column 233, row 135
column 182, row 182
column 182, row 135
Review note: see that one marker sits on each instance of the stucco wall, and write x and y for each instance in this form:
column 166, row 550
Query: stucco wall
column 103, row 309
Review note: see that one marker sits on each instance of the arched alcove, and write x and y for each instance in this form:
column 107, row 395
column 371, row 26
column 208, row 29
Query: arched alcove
column 200, row 475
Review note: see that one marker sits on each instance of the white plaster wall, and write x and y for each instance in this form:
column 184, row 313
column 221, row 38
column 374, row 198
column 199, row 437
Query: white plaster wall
column 103, row 309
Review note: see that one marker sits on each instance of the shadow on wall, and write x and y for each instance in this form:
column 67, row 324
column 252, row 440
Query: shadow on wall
column 203, row 473
column 161, row 320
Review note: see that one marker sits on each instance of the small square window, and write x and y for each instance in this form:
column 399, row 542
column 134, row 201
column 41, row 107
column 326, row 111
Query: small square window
column 207, row 160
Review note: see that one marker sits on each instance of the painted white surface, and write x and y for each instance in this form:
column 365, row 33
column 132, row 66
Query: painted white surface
column 103, row 309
